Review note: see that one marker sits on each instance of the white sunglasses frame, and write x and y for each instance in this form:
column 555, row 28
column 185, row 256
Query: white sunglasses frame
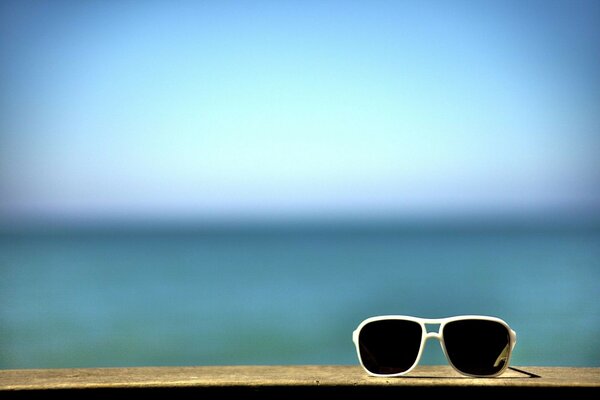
column 425, row 336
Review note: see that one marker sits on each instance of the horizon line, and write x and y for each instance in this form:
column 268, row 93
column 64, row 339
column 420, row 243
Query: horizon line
column 518, row 221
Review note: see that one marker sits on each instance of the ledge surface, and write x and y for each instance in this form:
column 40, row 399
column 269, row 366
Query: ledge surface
column 263, row 381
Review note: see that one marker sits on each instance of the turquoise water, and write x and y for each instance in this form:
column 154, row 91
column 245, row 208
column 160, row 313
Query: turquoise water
column 95, row 298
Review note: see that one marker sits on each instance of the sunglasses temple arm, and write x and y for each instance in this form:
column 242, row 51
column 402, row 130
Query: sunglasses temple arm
column 507, row 349
column 503, row 356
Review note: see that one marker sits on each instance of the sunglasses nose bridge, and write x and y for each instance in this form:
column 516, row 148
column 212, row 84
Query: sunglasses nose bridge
column 433, row 335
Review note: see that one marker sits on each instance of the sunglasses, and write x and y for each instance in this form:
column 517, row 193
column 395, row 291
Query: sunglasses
column 474, row 345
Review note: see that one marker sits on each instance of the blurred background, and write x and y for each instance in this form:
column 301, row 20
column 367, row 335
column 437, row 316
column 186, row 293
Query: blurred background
column 243, row 182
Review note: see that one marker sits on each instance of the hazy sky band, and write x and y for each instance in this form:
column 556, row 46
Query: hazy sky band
column 113, row 108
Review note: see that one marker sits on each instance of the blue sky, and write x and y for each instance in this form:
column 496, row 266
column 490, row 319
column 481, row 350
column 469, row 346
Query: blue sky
column 225, row 109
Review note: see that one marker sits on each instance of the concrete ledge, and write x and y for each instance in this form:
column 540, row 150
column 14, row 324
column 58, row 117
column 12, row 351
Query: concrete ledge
column 300, row 380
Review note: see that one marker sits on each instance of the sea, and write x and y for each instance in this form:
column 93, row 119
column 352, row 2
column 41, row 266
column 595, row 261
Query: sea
column 288, row 294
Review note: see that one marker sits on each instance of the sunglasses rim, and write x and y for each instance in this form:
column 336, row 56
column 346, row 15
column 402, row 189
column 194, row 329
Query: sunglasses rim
column 438, row 335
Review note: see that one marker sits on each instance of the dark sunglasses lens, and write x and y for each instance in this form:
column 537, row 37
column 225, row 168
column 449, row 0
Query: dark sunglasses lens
column 477, row 347
column 389, row 346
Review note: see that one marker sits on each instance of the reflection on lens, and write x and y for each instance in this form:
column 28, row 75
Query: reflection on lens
column 477, row 347
column 389, row 346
